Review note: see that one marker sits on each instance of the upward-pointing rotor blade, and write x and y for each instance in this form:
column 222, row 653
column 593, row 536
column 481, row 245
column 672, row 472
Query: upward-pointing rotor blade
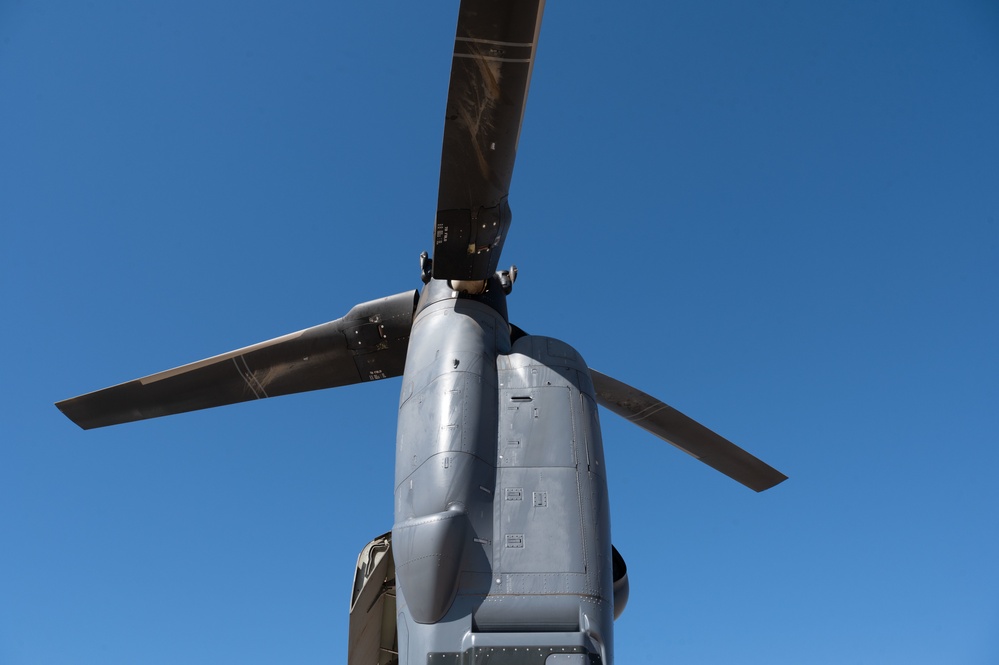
column 494, row 51
column 368, row 343
column 685, row 433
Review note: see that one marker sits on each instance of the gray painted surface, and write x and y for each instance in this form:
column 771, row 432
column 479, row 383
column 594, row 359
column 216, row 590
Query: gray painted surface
column 501, row 517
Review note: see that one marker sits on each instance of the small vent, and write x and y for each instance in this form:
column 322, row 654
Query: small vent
column 515, row 540
column 514, row 493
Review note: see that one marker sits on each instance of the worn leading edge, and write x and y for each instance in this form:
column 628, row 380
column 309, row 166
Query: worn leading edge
column 500, row 549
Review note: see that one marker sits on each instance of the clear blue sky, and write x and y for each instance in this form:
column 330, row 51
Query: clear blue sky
column 781, row 218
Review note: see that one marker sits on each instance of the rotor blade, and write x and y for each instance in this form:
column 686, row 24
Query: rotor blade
column 368, row 343
column 494, row 51
column 685, row 433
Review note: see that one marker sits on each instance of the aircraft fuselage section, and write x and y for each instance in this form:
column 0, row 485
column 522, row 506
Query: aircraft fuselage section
column 502, row 533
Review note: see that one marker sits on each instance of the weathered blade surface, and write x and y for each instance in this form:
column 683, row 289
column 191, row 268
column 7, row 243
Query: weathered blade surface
column 368, row 343
column 494, row 52
column 685, row 433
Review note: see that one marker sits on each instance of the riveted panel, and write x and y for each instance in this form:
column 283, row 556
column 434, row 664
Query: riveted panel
column 537, row 427
column 541, row 534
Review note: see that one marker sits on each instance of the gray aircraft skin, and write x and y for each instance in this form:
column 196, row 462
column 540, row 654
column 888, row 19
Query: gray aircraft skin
column 500, row 551
column 502, row 531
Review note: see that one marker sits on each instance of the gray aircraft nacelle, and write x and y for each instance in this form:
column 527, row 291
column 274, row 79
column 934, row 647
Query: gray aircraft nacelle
column 501, row 542
column 500, row 550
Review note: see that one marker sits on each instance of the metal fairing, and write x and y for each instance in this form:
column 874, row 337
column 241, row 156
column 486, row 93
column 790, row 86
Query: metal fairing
column 502, row 533
column 372, row 629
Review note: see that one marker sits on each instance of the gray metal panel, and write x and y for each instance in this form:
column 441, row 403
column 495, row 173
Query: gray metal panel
column 532, row 427
column 593, row 441
column 540, row 612
column 531, row 648
column 428, row 555
column 552, row 550
column 568, row 659
column 536, row 538
column 448, row 400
